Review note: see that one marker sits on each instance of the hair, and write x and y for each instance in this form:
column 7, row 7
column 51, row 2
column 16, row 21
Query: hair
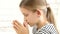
column 33, row 4
column 50, row 16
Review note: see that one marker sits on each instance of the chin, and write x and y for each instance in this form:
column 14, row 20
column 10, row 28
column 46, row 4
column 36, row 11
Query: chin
column 31, row 25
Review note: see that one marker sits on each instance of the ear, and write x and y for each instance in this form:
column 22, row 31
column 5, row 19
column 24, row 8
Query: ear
column 38, row 11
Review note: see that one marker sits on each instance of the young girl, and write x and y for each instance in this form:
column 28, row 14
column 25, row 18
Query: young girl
column 38, row 15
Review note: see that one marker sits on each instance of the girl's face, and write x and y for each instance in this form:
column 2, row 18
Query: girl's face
column 30, row 17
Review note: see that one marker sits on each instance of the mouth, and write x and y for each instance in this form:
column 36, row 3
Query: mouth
column 27, row 22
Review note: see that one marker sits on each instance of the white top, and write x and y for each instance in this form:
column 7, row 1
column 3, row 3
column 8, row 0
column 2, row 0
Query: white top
column 47, row 29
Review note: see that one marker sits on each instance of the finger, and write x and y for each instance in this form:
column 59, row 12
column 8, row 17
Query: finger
column 15, row 29
column 16, row 25
column 16, row 22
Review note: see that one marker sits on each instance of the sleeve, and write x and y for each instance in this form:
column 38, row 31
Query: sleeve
column 52, row 29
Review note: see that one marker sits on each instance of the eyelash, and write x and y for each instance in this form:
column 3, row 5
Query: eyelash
column 26, row 15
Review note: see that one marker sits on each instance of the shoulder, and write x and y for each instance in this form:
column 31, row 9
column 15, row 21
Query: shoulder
column 50, row 28
column 47, row 29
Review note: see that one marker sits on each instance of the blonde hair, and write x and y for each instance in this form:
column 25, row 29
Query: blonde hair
column 33, row 4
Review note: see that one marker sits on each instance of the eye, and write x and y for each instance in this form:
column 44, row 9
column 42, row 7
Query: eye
column 25, row 15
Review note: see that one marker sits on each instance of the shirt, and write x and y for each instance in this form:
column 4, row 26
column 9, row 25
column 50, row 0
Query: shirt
column 47, row 29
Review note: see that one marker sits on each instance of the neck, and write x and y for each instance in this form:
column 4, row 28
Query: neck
column 41, row 24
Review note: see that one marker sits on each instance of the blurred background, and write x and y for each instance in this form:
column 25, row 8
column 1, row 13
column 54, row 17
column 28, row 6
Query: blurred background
column 9, row 11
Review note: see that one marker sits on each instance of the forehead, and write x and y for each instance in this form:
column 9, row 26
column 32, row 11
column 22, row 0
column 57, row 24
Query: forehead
column 23, row 10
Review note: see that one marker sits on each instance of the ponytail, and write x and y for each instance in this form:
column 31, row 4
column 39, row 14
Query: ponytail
column 50, row 16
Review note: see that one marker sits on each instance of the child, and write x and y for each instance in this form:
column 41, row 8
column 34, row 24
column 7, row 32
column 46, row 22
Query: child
column 37, row 14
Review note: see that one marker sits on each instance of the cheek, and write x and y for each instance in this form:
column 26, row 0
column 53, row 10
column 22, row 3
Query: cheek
column 32, row 19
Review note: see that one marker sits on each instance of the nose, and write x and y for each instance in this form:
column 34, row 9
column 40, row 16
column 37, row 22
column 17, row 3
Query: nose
column 25, row 19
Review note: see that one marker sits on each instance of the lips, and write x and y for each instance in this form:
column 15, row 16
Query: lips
column 27, row 22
